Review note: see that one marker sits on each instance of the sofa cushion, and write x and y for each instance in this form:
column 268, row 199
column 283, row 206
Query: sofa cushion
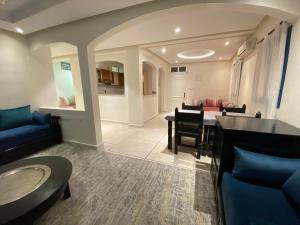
column 42, row 118
column 215, row 109
column 249, row 204
column 210, row 103
column 292, row 188
column 24, row 134
column 10, row 118
column 263, row 168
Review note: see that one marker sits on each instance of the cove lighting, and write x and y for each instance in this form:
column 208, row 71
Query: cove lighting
column 177, row 30
column 19, row 30
column 196, row 54
column 163, row 50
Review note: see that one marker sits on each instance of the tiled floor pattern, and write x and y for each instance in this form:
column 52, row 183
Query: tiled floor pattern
column 148, row 143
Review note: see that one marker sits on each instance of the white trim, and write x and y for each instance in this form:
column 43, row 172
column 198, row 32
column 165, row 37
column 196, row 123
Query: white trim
column 151, row 117
column 96, row 147
column 114, row 121
column 135, row 125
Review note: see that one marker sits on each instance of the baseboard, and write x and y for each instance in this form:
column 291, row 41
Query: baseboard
column 135, row 125
column 114, row 121
column 96, row 147
column 151, row 118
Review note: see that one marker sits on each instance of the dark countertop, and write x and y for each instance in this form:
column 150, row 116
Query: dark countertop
column 268, row 126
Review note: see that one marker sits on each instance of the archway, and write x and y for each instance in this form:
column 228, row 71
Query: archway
column 161, row 89
column 62, row 67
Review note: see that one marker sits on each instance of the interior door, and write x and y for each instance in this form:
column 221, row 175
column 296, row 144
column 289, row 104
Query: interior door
column 178, row 89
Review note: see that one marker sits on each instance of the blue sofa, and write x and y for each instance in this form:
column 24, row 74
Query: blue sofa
column 261, row 190
column 23, row 133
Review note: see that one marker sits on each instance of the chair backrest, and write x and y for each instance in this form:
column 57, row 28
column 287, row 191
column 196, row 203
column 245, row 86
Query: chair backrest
column 257, row 115
column 192, row 107
column 190, row 118
column 234, row 109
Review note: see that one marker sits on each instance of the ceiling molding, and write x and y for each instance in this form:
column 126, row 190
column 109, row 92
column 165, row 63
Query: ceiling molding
column 200, row 38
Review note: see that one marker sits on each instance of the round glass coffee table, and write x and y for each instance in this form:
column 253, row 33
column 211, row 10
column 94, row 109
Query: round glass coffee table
column 29, row 187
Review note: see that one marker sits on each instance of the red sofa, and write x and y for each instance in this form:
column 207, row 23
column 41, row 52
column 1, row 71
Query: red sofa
column 212, row 104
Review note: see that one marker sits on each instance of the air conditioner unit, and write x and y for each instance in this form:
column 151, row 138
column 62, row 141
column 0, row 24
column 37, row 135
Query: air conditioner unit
column 247, row 47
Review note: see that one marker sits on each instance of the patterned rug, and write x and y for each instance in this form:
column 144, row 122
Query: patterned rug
column 117, row 190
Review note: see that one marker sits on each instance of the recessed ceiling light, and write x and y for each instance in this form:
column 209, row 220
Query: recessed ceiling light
column 227, row 43
column 220, row 58
column 176, row 61
column 163, row 50
column 177, row 30
column 196, row 54
column 19, row 30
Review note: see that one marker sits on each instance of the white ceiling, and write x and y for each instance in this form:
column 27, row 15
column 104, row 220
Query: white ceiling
column 194, row 21
column 217, row 45
column 33, row 15
column 201, row 28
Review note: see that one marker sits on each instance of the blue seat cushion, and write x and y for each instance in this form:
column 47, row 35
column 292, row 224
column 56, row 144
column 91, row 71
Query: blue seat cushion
column 292, row 188
column 261, row 168
column 10, row 118
column 249, row 204
column 24, row 134
column 38, row 117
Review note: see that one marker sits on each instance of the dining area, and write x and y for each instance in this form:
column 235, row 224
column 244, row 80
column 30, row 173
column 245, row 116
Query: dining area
column 198, row 123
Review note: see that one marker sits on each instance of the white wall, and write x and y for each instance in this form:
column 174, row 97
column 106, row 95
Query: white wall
column 150, row 107
column 207, row 80
column 290, row 107
column 114, row 107
column 24, row 79
column 151, row 102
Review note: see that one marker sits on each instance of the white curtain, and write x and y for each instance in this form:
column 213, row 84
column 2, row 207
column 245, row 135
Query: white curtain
column 268, row 72
column 235, row 80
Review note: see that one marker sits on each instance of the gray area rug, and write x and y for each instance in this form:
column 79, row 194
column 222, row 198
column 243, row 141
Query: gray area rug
column 117, row 190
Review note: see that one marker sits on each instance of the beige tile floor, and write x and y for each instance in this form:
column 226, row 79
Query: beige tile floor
column 148, row 143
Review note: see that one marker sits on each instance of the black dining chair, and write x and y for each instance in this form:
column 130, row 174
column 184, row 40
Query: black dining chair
column 189, row 125
column 192, row 107
column 257, row 115
column 233, row 109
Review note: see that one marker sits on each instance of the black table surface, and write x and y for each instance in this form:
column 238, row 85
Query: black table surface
column 267, row 126
column 61, row 170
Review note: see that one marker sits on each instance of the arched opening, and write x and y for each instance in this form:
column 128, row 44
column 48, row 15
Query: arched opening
column 61, row 61
column 149, row 79
column 131, row 36
column 110, row 77
column 161, row 89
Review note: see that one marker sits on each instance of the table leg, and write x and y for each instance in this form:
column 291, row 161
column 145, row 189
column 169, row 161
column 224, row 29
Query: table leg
column 67, row 192
column 169, row 134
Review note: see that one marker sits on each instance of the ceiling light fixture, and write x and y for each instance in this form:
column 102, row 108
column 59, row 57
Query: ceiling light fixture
column 163, row 50
column 196, row 54
column 227, row 43
column 19, row 30
column 220, row 58
column 177, row 30
column 176, row 61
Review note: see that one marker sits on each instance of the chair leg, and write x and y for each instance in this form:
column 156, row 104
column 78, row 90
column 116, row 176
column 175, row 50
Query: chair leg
column 176, row 143
column 199, row 148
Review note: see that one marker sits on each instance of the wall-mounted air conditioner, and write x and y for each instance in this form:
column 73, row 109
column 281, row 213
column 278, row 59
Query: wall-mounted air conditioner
column 247, row 47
